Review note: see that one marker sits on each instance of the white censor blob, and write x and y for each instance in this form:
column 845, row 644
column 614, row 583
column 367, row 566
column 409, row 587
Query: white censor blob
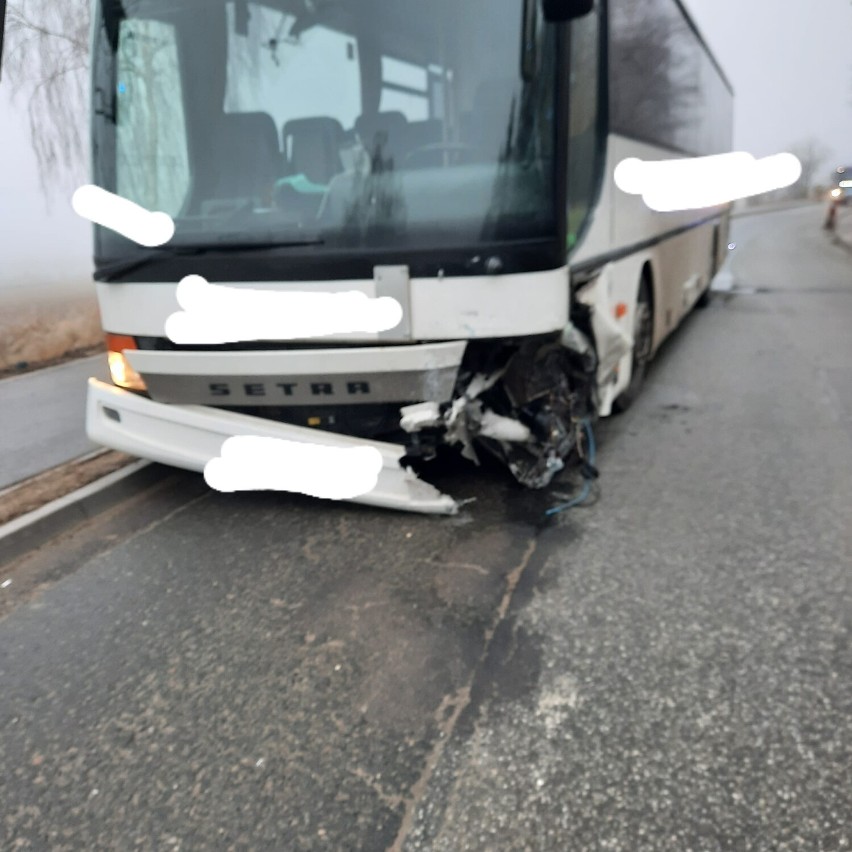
column 700, row 182
column 123, row 216
column 250, row 463
column 213, row 314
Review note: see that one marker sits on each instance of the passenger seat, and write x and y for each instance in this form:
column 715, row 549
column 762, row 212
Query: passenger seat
column 247, row 159
column 312, row 148
column 384, row 135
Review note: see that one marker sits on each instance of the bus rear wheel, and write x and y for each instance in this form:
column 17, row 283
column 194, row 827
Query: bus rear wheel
column 643, row 336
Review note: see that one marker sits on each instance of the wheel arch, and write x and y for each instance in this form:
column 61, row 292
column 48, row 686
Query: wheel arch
column 648, row 274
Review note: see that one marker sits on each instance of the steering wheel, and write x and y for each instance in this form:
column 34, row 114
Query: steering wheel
column 441, row 153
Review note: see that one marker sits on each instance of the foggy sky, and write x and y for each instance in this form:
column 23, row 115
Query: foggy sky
column 790, row 62
column 41, row 244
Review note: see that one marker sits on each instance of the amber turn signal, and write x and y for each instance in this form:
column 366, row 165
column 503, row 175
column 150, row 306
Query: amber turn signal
column 122, row 373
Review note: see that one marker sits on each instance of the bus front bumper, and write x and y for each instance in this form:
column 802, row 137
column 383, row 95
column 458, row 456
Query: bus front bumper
column 190, row 436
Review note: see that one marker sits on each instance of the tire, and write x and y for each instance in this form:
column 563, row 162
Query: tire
column 703, row 300
column 643, row 337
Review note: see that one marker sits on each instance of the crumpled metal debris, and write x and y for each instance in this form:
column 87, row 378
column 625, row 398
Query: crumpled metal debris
column 526, row 413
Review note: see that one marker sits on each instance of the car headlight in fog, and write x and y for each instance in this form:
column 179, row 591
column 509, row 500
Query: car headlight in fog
column 120, row 370
column 836, row 193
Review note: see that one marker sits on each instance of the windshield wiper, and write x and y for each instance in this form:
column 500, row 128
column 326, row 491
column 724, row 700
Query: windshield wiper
column 236, row 246
column 159, row 253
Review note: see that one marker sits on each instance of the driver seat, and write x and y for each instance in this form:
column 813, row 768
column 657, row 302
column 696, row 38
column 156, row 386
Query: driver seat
column 247, row 159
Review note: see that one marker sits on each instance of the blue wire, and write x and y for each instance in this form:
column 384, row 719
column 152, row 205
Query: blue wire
column 587, row 425
column 578, row 500
column 587, row 483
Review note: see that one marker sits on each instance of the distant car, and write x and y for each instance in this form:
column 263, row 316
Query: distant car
column 841, row 185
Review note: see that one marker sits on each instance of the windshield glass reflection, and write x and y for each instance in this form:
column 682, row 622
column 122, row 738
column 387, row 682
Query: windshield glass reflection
column 359, row 123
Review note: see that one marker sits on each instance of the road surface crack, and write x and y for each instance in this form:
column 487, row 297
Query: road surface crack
column 453, row 705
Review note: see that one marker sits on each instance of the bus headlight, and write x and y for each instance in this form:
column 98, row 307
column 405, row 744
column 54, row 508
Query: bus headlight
column 836, row 193
column 120, row 370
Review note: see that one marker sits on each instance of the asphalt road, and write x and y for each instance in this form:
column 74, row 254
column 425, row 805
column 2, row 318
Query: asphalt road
column 666, row 669
column 42, row 418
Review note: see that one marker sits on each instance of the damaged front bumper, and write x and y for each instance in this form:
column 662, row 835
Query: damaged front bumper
column 190, row 436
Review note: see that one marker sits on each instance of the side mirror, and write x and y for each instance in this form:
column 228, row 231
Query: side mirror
column 556, row 11
column 2, row 21
column 114, row 14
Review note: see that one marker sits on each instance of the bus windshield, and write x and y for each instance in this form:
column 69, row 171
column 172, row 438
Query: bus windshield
column 348, row 123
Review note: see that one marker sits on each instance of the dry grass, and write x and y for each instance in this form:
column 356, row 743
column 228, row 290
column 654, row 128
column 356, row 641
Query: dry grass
column 45, row 487
column 43, row 332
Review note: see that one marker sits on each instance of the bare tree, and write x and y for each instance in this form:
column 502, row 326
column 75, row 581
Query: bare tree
column 657, row 93
column 45, row 63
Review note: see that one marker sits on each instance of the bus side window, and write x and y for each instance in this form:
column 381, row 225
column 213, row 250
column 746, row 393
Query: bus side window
column 405, row 89
column 583, row 122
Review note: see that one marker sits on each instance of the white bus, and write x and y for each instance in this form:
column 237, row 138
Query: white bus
column 455, row 155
